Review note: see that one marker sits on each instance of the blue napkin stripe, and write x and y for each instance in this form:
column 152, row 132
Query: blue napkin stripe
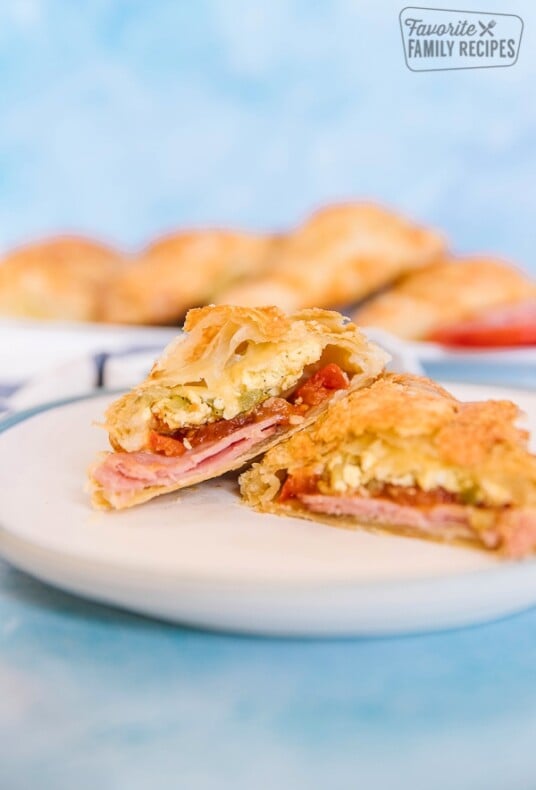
column 100, row 360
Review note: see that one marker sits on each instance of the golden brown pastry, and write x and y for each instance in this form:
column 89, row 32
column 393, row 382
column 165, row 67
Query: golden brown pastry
column 184, row 270
column 237, row 382
column 405, row 456
column 424, row 302
column 340, row 255
column 62, row 278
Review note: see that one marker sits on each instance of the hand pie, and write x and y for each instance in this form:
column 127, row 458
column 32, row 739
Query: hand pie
column 340, row 255
column 427, row 303
column 404, row 456
column 184, row 270
column 236, row 383
column 62, row 278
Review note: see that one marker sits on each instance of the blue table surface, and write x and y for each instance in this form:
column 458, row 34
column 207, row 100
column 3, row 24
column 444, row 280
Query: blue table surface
column 91, row 697
column 95, row 698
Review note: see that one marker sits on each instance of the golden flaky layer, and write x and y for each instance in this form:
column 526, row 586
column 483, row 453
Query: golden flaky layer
column 183, row 270
column 454, row 289
column 341, row 254
column 405, row 430
column 61, row 278
column 232, row 358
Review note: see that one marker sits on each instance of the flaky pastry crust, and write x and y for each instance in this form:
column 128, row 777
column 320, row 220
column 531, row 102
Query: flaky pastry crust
column 339, row 255
column 401, row 427
column 439, row 295
column 60, row 278
column 183, row 270
column 405, row 406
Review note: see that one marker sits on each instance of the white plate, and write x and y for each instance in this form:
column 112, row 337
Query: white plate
column 205, row 559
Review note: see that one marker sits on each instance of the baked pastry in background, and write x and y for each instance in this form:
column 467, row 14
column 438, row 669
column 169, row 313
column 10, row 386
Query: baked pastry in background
column 237, row 382
column 184, row 270
column 59, row 278
column 405, row 456
column 338, row 256
column 436, row 302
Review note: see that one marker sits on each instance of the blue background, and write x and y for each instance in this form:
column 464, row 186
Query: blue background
column 125, row 119
column 97, row 700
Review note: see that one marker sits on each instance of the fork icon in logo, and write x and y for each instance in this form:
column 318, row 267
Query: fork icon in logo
column 487, row 28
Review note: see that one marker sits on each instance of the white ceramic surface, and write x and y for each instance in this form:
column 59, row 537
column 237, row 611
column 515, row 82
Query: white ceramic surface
column 203, row 558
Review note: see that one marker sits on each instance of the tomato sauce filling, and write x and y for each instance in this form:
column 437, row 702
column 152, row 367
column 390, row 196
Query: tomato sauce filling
column 304, row 483
column 297, row 485
column 510, row 325
column 315, row 390
column 414, row 496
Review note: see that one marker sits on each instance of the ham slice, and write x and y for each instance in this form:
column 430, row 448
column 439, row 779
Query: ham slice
column 433, row 520
column 514, row 530
column 518, row 531
column 125, row 473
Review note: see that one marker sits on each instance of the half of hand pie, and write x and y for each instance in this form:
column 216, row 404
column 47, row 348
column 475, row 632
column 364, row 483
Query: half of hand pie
column 181, row 270
column 405, row 456
column 237, row 382
column 62, row 278
column 341, row 254
column 468, row 301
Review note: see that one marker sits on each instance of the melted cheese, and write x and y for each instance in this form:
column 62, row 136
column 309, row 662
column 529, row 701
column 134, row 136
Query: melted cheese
column 371, row 460
column 264, row 372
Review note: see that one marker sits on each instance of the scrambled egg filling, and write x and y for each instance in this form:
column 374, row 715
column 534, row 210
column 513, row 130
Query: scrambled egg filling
column 369, row 459
column 249, row 380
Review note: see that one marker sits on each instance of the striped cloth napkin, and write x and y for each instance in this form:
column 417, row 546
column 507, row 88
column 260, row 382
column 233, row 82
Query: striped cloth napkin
column 44, row 362
column 104, row 370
